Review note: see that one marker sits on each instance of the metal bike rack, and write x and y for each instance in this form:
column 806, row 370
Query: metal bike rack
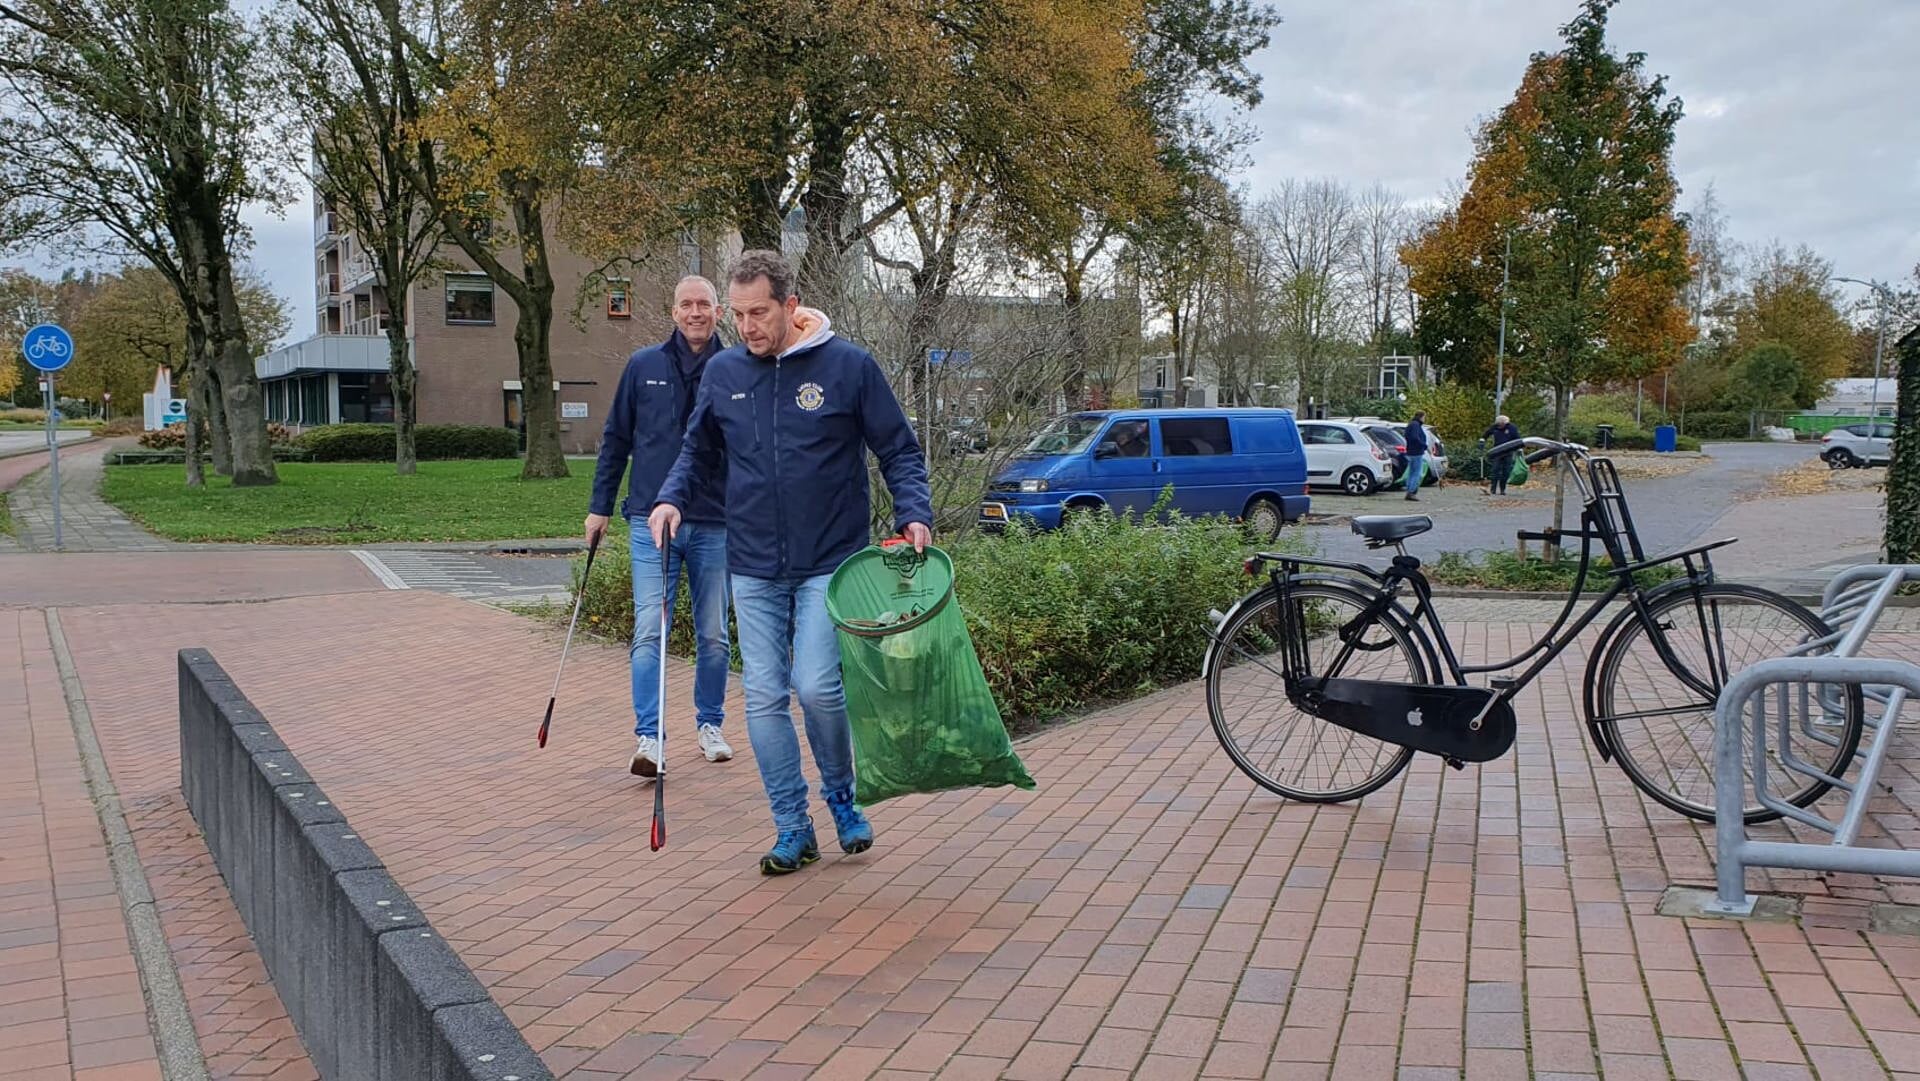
column 1851, row 605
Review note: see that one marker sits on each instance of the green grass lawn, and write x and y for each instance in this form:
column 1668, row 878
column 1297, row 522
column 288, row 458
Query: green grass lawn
column 356, row 503
column 6, row 516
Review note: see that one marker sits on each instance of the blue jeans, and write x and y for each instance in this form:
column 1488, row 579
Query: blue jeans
column 1416, row 468
column 701, row 547
column 787, row 641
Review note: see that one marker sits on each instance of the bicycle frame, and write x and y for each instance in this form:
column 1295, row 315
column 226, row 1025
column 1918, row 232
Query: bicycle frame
column 1604, row 517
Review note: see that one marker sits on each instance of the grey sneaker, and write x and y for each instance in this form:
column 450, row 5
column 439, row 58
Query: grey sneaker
column 646, row 758
column 713, row 745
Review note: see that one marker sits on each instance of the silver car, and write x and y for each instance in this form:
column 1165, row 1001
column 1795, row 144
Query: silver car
column 1855, row 446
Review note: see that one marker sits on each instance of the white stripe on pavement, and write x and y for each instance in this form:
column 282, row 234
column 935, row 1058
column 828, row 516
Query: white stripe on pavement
column 379, row 569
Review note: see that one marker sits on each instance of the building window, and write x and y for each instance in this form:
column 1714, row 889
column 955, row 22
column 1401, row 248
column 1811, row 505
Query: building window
column 1195, row 436
column 366, row 398
column 619, row 298
column 469, row 299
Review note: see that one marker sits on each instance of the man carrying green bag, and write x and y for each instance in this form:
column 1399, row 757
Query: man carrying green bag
column 923, row 717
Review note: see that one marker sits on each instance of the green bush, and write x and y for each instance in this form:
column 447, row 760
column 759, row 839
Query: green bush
column 23, row 416
column 1458, row 412
column 431, row 442
column 1097, row 611
column 174, row 436
column 1718, row 425
column 1504, row 570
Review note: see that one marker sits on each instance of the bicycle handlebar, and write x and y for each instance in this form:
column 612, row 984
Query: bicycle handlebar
column 1548, row 448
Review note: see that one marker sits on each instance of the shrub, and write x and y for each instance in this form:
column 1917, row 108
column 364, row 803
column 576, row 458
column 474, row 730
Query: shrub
column 1717, row 425
column 122, row 426
column 1504, row 570
column 431, row 442
column 1097, row 611
column 23, row 416
column 175, row 436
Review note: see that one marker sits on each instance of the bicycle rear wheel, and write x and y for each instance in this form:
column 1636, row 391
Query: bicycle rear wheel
column 1657, row 711
column 1283, row 748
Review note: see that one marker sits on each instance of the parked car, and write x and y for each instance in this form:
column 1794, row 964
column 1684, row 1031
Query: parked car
column 1343, row 455
column 1247, row 463
column 1392, row 435
column 1856, row 446
column 966, row 435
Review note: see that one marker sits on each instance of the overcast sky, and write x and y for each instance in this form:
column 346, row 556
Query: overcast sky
column 1801, row 113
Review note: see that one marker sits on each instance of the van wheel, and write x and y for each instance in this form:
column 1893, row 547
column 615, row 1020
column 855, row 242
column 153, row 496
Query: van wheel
column 1262, row 519
column 1072, row 511
column 1358, row 481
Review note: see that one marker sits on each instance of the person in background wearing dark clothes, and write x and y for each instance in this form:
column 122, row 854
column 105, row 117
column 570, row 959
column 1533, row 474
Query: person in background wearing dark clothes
column 1416, row 453
column 793, row 411
column 1501, row 465
column 648, row 421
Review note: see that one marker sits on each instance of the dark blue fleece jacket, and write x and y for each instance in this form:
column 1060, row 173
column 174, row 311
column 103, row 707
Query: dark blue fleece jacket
column 793, row 432
column 649, row 421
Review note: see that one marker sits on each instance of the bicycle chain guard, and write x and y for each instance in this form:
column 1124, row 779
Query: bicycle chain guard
column 1468, row 723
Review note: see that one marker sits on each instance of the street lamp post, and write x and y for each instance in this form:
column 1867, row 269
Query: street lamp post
column 1885, row 296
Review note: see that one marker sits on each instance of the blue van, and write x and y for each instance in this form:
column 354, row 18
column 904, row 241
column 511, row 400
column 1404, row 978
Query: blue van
column 1246, row 463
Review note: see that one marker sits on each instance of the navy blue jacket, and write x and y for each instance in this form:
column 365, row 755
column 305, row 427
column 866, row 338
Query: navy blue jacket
column 649, row 421
column 793, row 433
column 1416, row 438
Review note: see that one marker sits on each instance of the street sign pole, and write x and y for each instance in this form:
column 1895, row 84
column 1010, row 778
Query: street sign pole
column 53, row 457
column 49, row 348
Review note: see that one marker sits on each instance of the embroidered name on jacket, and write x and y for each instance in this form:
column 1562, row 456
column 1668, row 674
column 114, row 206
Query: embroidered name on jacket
column 810, row 397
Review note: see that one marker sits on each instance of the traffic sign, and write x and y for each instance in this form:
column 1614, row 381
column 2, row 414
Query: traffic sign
column 48, row 347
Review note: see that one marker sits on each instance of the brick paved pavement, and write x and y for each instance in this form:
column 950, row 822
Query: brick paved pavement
column 70, row 999
column 1145, row 913
column 87, row 522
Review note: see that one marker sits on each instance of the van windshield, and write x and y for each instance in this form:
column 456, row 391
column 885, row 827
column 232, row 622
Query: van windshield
column 1066, row 435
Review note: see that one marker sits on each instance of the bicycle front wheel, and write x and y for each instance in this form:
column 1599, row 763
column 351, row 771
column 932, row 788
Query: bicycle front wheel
column 1660, row 678
column 1283, row 748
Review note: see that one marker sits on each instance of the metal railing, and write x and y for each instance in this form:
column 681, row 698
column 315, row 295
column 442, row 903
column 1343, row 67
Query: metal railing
column 1851, row 605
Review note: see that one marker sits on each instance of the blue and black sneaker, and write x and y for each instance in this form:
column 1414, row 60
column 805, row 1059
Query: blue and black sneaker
column 792, row 850
column 856, row 833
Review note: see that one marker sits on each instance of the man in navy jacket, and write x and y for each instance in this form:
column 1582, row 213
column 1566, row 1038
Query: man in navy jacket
column 791, row 412
column 648, row 422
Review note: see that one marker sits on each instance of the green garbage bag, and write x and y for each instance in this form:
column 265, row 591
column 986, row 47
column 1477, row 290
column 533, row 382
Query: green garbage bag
column 1519, row 473
column 923, row 717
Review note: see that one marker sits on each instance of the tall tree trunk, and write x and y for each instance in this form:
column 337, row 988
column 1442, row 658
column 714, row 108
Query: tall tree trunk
column 214, row 409
column 1073, row 383
column 196, row 409
column 401, row 377
column 246, row 407
column 757, row 215
column 822, row 275
column 532, row 336
column 1903, row 474
column 1561, row 396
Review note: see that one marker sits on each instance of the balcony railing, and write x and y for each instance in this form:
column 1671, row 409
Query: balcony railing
column 326, row 225
column 371, row 325
column 326, row 285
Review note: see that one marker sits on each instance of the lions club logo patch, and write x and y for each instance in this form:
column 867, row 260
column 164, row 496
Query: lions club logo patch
column 811, row 397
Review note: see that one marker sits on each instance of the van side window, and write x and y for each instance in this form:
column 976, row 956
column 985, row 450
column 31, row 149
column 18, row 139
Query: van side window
column 1195, row 436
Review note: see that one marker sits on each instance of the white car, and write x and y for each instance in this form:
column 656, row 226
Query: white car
column 1340, row 455
column 1854, row 446
column 1392, row 435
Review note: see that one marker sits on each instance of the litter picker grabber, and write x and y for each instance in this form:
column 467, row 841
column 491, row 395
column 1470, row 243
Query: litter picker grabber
column 657, row 837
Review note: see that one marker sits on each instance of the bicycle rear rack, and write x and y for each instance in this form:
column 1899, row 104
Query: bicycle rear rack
column 1851, row 605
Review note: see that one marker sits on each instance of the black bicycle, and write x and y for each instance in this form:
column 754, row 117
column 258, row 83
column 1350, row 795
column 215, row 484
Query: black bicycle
column 1322, row 683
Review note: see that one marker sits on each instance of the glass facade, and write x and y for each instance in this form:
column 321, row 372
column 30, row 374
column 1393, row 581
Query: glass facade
column 366, row 398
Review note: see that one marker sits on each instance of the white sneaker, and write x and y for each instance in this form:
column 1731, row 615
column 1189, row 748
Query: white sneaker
column 713, row 745
column 646, row 758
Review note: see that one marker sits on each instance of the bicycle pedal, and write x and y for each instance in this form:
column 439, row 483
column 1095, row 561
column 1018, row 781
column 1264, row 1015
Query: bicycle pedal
column 1455, row 762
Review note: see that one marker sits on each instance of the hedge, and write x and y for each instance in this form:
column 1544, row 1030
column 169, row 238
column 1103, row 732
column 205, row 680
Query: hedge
column 176, row 456
column 1098, row 611
column 1718, row 425
column 431, row 442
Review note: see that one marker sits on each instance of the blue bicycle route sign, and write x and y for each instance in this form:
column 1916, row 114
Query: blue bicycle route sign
column 48, row 347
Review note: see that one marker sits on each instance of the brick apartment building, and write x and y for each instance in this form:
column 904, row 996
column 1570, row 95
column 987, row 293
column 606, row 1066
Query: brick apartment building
column 460, row 327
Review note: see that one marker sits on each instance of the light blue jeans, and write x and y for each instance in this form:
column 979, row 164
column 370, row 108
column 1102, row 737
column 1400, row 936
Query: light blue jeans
column 1416, row 468
column 701, row 547
column 788, row 642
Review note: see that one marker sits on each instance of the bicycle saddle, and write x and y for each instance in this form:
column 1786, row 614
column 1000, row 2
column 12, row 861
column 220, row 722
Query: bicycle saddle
column 1388, row 528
